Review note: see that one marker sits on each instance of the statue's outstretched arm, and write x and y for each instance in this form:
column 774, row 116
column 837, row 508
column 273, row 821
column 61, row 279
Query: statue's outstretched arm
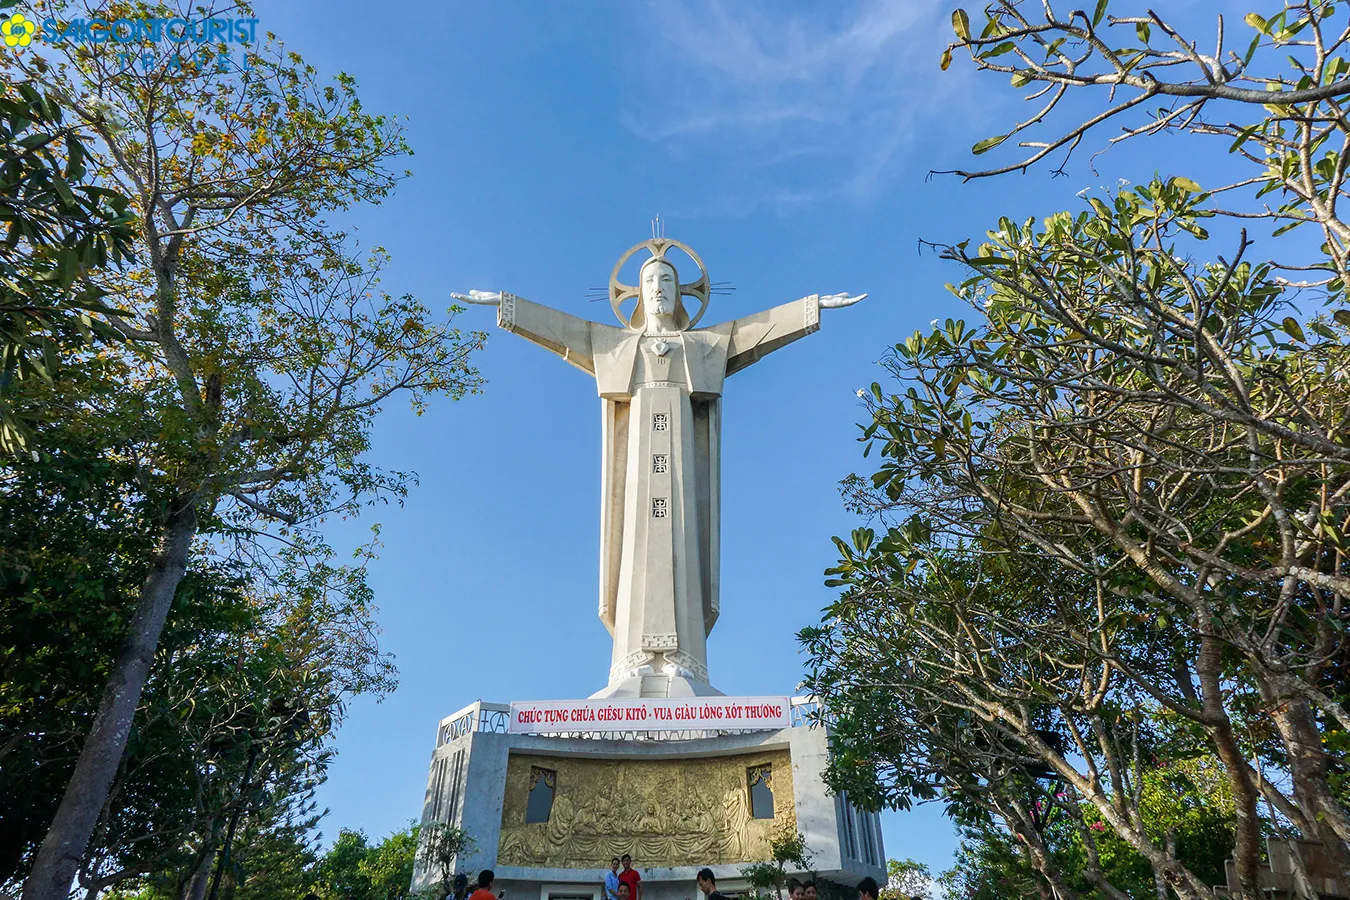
column 754, row 337
column 564, row 334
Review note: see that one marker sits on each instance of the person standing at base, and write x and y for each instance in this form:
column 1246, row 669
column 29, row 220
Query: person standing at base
column 630, row 877
column 794, row 890
column 708, row 885
column 623, row 891
column 484, row 891
column 867, row 889
column 809, row 891
column 612, row 880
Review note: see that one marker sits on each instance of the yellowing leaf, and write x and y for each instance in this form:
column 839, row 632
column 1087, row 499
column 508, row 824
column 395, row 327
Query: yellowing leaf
column 961, row 24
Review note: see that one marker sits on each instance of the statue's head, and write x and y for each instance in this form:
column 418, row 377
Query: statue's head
column 659, row 293
column 659, row 305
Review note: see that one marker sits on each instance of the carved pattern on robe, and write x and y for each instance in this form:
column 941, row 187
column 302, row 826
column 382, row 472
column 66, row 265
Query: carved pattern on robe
column 506, row 312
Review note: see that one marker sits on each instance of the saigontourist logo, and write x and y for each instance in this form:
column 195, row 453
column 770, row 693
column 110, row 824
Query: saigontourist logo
column 145, row 42
column 18, row 31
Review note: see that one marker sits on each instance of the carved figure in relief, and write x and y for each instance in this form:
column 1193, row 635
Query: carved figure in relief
column 735, row 816
column 660, row 382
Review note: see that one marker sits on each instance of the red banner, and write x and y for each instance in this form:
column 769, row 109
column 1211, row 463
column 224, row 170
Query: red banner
column 651, row 714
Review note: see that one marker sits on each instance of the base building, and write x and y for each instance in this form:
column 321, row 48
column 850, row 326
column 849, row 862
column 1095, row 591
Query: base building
column 548, row 812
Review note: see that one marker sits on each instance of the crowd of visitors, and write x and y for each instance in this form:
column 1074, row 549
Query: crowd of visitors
column 622, row 882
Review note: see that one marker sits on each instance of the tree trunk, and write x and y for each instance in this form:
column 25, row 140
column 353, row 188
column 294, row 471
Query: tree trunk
column 1247, row 827
column 234, row 820
column 1159, row 882
column 195, row 889
column 1308, row 770
column 59, row 858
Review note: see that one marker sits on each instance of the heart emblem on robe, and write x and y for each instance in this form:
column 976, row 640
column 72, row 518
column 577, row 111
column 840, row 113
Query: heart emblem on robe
column 660, row 348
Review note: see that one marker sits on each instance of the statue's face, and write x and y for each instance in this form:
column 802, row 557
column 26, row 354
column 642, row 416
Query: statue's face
column 660, row 289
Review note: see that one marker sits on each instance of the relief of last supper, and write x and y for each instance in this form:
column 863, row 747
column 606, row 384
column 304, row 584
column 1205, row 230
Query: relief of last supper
column 570, row 812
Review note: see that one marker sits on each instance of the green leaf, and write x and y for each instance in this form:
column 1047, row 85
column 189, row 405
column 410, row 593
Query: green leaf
column 1099, row 12
column 988, row 144
column 1288, row 226
column 1186, row 184
column 63, row 191
column 1342, row 316
column 946, row 59
column 961, row 24
column 1246, row 133
column 1142, row 30
column 1293, row 329
column 1251, row 50
column 1256, row 21
column 1021, row 79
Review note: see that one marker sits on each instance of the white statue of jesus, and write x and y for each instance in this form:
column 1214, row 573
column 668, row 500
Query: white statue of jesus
column 660, row 383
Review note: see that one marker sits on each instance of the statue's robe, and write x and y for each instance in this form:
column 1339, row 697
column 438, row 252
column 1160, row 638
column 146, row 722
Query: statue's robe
column 661, row 449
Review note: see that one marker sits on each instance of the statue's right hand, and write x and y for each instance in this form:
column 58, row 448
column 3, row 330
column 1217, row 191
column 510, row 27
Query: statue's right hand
column 482, row 298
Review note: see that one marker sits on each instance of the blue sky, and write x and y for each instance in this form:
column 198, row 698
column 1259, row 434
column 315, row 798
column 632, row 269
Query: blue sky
column 790, row 145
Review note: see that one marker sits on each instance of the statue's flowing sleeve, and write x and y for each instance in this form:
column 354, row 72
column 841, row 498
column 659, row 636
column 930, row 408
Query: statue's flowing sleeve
column 566, row 335
column 756, row 336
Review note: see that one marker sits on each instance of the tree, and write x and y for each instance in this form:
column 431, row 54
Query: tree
column 247, row 689
column 441, row 846
column 990, row 865
column 786, row 846
column 1135, row 459
column 389, row 866
column 59, row 227
column 354, row 870
column 260, row 345
column 1285, row 123
column 1011, row 447
column 966, row 680
column 907, row 880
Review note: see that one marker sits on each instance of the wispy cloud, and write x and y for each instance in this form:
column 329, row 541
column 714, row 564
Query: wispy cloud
column 786, row 105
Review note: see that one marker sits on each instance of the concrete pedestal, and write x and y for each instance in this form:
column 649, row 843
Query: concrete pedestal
column 675, row 801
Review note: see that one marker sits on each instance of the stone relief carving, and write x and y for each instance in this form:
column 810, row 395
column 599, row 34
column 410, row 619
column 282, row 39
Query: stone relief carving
column 506, row 312
column 629, row 664
column 684, row 660
column 663, row 812
column 813, row 313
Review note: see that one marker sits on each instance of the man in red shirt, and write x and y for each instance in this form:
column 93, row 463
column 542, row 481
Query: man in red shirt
column 630, row 877
column 484, row 892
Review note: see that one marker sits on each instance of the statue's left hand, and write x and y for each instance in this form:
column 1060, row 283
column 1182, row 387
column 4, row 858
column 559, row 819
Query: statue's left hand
column 838, row 301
